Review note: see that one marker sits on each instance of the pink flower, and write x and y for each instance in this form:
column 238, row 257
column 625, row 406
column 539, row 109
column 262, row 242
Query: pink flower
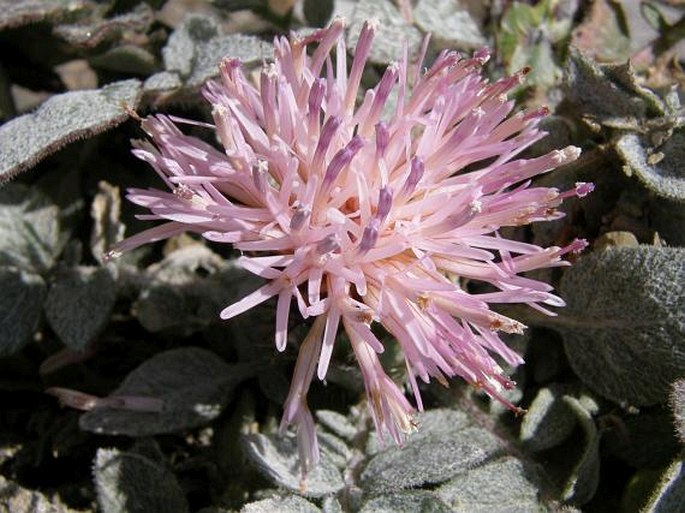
column 368, row 211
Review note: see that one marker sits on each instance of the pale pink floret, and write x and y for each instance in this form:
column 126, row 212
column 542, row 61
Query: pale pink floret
column 360, row 210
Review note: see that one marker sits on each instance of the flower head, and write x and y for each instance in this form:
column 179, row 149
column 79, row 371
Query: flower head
column 366, row 210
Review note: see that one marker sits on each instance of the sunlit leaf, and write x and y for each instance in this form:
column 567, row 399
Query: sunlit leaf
column 63, row 119
column 623, row 326
column 15, row 13
column 29, row 228
column 278, row 458
column 659, row 168
column 393, row 31
column 669, row 496
column 450, row 24
column 290, row 504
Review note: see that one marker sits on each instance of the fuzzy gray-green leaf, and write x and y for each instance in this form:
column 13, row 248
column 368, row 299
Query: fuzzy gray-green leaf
column 407, row 502
column 21, row 305
column 278, row 458
column 289, row 504
column 660, row 168
column 131, row 483
column 624, row 326
column 15, row 13
column 60, row 120
column 79, row 304
column 506, row 485
column 449, row 22
column 607, row 93
column 196, row 48
column 669, row 496
column 548, row 422
column 584, row 479
column 194, row 385
column 29, row 228
column 446, row 444
column 392, row 31
column 677, row 403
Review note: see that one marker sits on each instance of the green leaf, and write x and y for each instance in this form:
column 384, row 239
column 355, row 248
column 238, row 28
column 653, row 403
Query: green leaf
column 548, row 421
column 184, row 292
column 79, row 304
column 163, row 82
column 392, row 33
column 407, row 502
column 624, row 324
column 29, row 229
column 609, row 94
column 337, row 423
column 278, row 458
column 669, row 496
column 91, row 34
column 194, row 384
column 128, row 59
column 131, row 483
column 60, row 120
column 445, row 444
column 288, row 504
column 659, row 168
column 21, row 306
column 450, row 24
column 504, row 485
column 15, row 13
column 197, row 46
column 677, row 402
column 527, row 37
column 582, row 484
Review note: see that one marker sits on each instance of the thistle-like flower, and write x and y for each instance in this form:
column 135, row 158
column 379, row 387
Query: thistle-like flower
column 368, row 211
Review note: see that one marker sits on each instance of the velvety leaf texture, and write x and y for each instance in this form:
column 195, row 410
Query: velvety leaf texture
column 506, row 485
column 406, row 502
column 15, row 13
column 132, row 483
column 80, row 302
column 197, row 47
column 660, row 169
column 177, row 298
column 449, row 22
column 605, row 92
column 624, row 324
column 89, row 35
column 446, row 444
column 669, row 495
column 29, row 228
column 193, row 383
column 584, row 479
column 677, row 402
column 21, row 304
column 60, row 120
column 392, row 33
column 289, row 504
column 548, row 421
column 278, row 458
